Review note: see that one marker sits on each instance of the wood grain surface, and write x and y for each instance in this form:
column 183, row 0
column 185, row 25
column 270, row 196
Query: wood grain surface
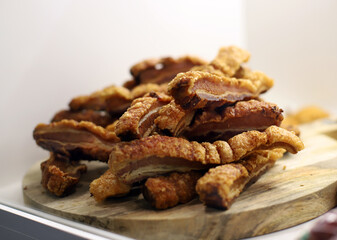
column 298, row 188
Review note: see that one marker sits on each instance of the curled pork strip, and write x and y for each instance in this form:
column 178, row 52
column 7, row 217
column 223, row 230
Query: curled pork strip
column 114, row 99
column 76, row 140
column 154, row 155
column 100, row 118
column 138, row 120
column 221, row 185
column 162, row 70
column 108, row 185
column 229, row 60
column 59, row 175
column 225, row 123
column 168, row 191
column 195, row 89
column 172, row 119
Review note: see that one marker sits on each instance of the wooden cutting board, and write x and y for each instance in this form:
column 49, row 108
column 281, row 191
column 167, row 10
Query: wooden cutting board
column 300, row 187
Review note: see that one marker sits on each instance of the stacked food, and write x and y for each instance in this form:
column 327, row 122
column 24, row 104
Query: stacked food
column 180, row 128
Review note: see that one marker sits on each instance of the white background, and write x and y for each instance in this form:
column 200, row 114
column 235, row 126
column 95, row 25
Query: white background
column 51, row 51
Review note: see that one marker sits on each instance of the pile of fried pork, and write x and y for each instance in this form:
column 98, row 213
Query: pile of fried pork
column 181, row 128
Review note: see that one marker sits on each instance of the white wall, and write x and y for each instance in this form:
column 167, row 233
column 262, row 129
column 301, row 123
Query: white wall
column 295, row 42
column 51, row 51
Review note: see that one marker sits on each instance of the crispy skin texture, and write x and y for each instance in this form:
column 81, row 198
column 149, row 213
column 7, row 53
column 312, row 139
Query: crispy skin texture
column 229, row 59
column 114, row 99
column 108, row 185
column 172, row 119
column 154, row 155
column 223, row 124
column 221, row 185
column 76, row 140
column 143, row 89
column 195, row 89
column 138, row 120
column 60, row 176
column 100, row 118
column 168, row 191
column 162, row 70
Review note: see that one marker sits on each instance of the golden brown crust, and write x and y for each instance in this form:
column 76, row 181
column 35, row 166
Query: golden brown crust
column 132, row 161
column 59, row 176
column 172, row 119
column 221, row 185
column 168, row 191
column 229, row 59
column 113, row 99
column 100, row 118
column 138, row 120
column 223, row 124
column 194, row 89
column 108, row 185
column 163, row 70
column 77, row 140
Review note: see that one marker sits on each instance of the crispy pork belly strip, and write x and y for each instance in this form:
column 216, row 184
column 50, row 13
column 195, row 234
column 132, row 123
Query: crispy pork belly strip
column 195, row 89
column 168, row 191
column 100, row 118
column 162, row 70
column 138, row 120
column 59, row 175
column 154, row 155
column 172, row 119
column 243, row 116
column 221, row 185
column 229, row 59
column 108, row 185
column 76, row 140
column 112, row 99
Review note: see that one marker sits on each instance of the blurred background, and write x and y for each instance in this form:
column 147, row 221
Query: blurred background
column 52, row 51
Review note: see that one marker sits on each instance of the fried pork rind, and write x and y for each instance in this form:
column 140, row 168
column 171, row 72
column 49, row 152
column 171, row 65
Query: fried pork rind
column 138, row 120
column 114, row 99
column 229, row 59
column 108, row 185
column 225, row 123
column 195, row 89
column 136, row 160
column 221, row 185
column 172, row 119
column 162, row 70
column 168, row 191
column 100, row 118
column 76, row 140
column 60, row 176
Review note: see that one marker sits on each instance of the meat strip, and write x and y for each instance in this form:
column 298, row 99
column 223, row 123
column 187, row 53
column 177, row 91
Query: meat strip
column 162, row 70
column 108, row 185
column 138, row 120
column 76, row 140
column 168, row 191
column 114, row 99
column 221, row 185
column 142, row 158
column 60, row 176
column 100, row 118
column 195, row 89
column 225, row 123
column 172, row 119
